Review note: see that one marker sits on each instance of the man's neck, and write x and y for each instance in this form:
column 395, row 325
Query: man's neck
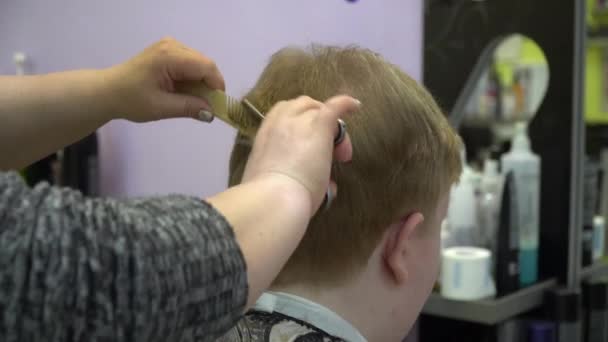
column 350, row 303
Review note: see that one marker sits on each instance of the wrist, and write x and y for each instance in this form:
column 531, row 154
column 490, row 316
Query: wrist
column 291, row 195
column 109, row 92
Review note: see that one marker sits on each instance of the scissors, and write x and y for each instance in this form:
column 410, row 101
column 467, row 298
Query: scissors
column 341, row 124
column 329, row 195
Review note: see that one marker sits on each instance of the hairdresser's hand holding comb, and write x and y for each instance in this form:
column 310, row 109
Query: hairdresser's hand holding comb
column 44, row 113
column 145, row 85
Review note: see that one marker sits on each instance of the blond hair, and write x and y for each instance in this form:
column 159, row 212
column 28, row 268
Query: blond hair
column 405, row 157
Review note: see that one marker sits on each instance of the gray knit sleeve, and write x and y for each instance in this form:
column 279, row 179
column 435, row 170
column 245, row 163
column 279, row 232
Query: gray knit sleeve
column 81, row 269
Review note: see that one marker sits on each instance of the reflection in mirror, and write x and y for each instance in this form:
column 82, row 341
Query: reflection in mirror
column 500, row 184
column 509, row 88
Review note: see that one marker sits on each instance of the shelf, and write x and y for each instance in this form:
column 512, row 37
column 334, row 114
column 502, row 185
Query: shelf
column 489, row 311
column 597, row 33
column 603, row 41
column 599, row 11
column 493, row 311
column 598, row 37
column 596, row 270
column 597, row 120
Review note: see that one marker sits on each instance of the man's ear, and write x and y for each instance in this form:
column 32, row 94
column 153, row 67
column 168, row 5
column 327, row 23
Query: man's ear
column 397, row 246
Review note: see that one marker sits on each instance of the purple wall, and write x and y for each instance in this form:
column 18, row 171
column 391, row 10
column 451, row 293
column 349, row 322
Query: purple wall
column 183, row 155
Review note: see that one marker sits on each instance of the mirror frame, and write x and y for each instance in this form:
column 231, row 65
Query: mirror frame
column 485, row 60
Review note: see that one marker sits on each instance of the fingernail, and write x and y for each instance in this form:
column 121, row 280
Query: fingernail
column 205, row 116
column 358, row 102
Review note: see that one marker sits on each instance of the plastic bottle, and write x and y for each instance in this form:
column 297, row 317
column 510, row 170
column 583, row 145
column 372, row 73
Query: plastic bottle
column 525, row 166
column 462, row 212
column 489, row 204
column 507, row 243
column 599, row 236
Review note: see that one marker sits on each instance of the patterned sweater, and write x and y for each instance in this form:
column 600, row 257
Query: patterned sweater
column 95, row 269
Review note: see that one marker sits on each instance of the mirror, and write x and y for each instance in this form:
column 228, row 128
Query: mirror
column 507, row 85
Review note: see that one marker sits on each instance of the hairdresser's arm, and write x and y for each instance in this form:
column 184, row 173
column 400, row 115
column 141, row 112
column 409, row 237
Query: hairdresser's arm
column 166, row 268
column 81, row 269
column 40, row 114
column 269, row 217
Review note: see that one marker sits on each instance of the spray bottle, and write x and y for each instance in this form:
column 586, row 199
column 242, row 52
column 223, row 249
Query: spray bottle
column 525, row 166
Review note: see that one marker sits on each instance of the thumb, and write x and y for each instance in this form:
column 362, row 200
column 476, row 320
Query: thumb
column 180, row 105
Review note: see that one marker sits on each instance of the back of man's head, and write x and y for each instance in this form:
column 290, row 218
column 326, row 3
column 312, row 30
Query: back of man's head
column 405, row 154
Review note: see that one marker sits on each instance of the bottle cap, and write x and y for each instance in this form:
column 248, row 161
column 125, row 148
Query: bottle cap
column 521, row 142
column 490, row 168
column 599, row 221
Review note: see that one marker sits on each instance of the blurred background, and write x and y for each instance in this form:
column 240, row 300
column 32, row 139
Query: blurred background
column 525, row 83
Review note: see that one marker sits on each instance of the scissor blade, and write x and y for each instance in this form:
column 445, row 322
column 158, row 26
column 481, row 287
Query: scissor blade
column 252, row 108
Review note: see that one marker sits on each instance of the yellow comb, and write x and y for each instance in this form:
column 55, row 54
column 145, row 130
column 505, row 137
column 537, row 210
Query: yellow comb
column 241, row 115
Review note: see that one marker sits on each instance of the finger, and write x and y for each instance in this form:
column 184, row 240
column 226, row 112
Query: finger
column 344, row 151
column 340, row 106
column 293, row 107
column 179, row 105
column 334, row 109
column 188, row 65
column 303, row 104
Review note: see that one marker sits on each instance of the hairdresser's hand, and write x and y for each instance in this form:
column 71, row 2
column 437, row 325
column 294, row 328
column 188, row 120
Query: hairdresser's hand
column 295, row 142
column 142, row 89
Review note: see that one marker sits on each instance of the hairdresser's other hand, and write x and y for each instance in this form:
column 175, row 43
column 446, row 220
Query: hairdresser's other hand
column 142, row 89
column 295, row 143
